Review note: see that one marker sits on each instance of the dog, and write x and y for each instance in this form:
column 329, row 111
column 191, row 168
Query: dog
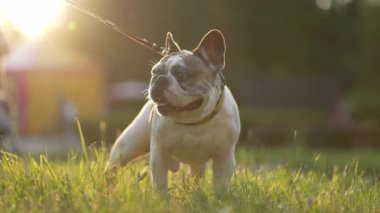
column 190, row 116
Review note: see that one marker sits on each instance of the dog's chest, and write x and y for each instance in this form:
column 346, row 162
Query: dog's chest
column 193, row 146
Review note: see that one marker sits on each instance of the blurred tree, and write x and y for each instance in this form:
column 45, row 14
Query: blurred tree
column 369, row 28
column 289, row 38
column 263, row 36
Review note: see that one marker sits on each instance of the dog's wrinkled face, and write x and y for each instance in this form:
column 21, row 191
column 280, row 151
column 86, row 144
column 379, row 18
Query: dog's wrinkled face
column 184, row 82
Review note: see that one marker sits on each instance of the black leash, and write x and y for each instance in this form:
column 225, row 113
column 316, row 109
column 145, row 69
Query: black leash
column 142, row 41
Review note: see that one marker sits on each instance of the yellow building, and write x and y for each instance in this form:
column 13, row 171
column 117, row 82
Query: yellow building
column 40, row 76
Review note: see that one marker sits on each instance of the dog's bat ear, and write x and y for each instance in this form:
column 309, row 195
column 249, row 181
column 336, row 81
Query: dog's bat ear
column 170, row 44
column 211, row 49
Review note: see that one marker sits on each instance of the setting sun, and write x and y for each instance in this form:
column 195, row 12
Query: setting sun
column 31, row 18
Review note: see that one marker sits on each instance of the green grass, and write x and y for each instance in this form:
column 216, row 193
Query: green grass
column 266, row 180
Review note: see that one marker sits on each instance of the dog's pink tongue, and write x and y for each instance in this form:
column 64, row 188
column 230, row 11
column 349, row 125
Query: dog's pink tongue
column 193, row 105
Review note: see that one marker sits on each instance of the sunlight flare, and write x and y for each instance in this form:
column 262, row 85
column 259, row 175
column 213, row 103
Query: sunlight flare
column 31, row 18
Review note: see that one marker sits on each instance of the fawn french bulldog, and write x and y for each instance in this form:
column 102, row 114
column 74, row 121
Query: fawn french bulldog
column 190, row 117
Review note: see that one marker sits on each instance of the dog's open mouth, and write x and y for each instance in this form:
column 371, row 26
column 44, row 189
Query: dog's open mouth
column 165, row 107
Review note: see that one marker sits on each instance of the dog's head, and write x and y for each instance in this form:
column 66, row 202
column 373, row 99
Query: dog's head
column 185, row 85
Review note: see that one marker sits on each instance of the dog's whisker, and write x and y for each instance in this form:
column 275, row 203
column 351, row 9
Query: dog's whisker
column 145, row 91
column 152, row 62
column 146, row 94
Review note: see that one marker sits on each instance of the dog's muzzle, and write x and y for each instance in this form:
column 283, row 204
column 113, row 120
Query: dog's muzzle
column 164, row 107
column 158, row 88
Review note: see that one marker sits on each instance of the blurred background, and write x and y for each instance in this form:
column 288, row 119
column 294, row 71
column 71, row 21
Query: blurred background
column 301, row 71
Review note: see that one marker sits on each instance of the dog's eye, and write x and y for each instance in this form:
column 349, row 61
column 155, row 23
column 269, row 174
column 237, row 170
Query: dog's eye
column 180, row 73
column 180, row 76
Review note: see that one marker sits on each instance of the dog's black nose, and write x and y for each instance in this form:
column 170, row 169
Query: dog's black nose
column 162, row 82
column 158, row 88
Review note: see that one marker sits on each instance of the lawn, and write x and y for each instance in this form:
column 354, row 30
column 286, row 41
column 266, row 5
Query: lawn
column 290, row 179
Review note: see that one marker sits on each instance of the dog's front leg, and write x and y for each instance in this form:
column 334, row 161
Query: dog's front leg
column 133, row 142
column 223, row 169
column 159, row 165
